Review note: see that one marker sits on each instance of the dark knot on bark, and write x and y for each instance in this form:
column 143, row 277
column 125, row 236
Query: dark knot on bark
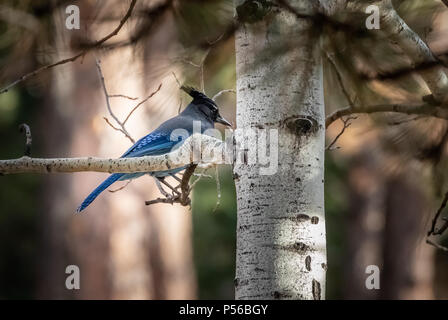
column 251, row 11
column 302, row 125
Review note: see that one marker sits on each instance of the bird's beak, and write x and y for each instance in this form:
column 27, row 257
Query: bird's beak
column 223, row 121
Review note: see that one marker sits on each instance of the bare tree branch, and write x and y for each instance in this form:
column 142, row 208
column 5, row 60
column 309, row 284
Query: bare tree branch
column 403, row 71
column 183, row 197
column 121, row 188
column 177, row 80
column 184, row 186
column 200, row 176
column 151, row 16
column 216, row 96
column 399, row 122
column 75, row 57
column 433, row 230
column 161, row 190
column 443, row 227
column 185, row 154
column 438, row 246
column 340, row 81
column 109, row 109
column 140, row 103
column 169, row 200
column 426, row 109
column 199, row 66
column 122, row 96
column 346, row 123
column 173, row 189
column 28, row 138
column 111, row 125
column 121, row 124
column 180, row 105
column 445, row 2
column 218, row 190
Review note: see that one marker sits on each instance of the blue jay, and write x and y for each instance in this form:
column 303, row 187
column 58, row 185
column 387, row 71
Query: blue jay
column 159, row 141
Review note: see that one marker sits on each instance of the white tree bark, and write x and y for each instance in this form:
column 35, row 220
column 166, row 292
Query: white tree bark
column 197, row 147
column 281, row 245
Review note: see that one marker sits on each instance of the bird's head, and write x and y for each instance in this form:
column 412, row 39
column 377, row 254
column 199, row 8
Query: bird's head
column 205, row 105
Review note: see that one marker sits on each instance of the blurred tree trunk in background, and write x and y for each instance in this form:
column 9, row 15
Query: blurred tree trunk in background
column 364, row 224
column 385, row 227
column 66, row 124
column 408, row 269
column 124, row 249
column 281, row 244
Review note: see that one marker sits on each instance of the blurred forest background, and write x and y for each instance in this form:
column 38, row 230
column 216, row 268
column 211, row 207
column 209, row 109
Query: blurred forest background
column 382, row 184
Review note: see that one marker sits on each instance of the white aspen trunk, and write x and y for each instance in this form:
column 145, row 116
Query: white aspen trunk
column 281, row 241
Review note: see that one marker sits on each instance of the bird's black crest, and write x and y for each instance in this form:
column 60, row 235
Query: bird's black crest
column 199, row 97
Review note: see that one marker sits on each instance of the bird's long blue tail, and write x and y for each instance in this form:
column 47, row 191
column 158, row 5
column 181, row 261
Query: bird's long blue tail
column 92, row 196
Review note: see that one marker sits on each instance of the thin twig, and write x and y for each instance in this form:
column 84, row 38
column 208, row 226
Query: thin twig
column 340, row 81
column 111, row 125
column 346, row 123
column 170, row 200
column 122, row 127
column 109, row 109
column 438, row 246
column 216, row 96
column 24, row 128
column 200, row 176
column 442, row 228
column 218, row 191
column 176, row 178
column 161, row 190
column 184, row 186
column 180, row 105
column 140, row 103
column 173, row 189
column 183, row 197
column 222, row 35
column 121, row 188
column 75, row 57
column 426, row 109
column 199, row 66
column 150, row 18
column 190, row 62
column 432, row 230
column 122, row 96
column 400, row 122
column 202, row 68
column 177, row 80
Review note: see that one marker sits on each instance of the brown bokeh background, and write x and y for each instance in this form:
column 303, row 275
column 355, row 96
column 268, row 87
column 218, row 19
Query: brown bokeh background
column 382, row 184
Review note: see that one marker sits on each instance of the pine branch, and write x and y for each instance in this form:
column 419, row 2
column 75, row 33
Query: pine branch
column 426, row 109
column 75, row 57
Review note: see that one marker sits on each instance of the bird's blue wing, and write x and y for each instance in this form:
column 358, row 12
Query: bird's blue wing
column 155, row 143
